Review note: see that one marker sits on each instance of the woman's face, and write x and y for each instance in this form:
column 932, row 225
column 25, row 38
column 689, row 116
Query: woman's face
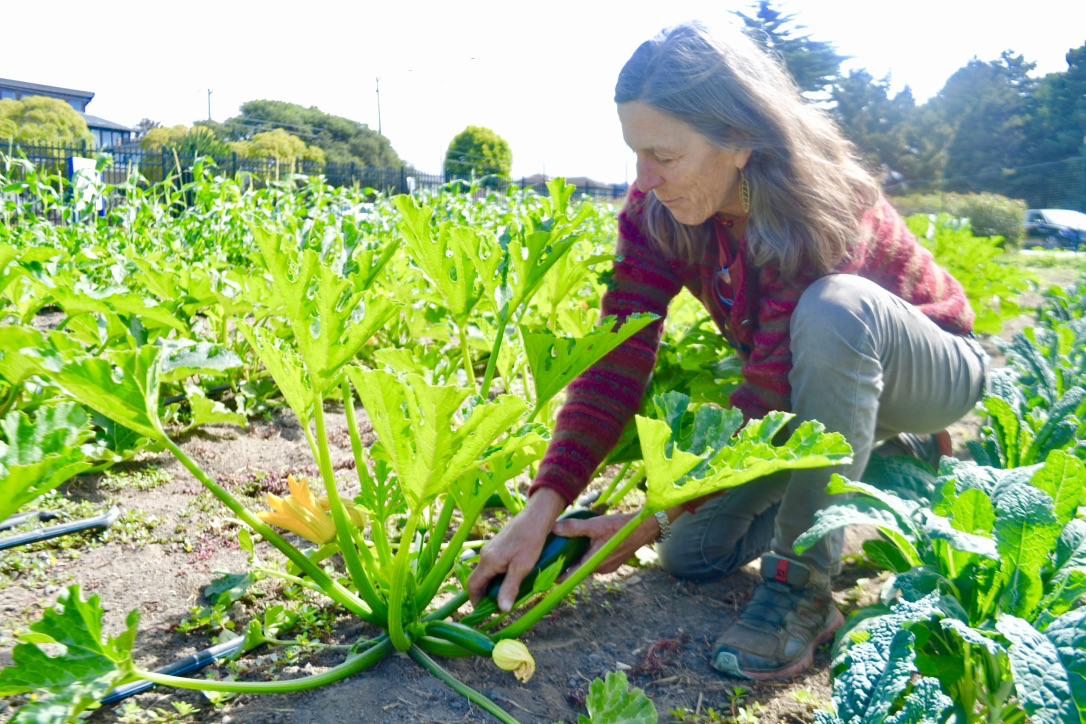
column 690, row 176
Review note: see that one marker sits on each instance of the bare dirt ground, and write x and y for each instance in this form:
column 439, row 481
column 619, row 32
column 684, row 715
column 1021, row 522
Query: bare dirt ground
column 173, row 537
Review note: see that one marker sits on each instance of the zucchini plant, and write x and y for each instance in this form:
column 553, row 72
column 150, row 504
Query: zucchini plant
column 441, row 453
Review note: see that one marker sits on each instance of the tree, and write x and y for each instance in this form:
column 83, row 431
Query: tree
column 40, row 120
column 342, row 140
column 477, row 152
column 279, row 145
column 145, row 125
column 185, row 141
column 986, row 104
column 814, row 64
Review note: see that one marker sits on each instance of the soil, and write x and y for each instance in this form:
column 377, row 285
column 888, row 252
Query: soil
column 173, row 537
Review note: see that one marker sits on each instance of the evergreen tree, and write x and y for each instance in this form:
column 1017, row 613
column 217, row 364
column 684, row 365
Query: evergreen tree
column 814, row 64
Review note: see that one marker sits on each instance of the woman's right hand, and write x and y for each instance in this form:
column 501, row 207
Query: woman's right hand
column 516, row 548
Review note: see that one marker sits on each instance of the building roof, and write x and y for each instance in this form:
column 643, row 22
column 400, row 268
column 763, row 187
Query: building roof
column 96, row 122
column 45, row 89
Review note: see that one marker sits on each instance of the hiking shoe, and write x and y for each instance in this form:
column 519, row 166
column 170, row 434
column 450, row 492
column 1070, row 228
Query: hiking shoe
column 929, row 448
column 790, row 615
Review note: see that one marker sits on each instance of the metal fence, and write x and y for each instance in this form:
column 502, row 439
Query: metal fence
column 156, row 166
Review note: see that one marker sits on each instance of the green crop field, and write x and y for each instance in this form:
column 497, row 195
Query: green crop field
column 411, row 352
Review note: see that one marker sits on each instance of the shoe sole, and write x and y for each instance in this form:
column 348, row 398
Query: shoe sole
column 727, row 663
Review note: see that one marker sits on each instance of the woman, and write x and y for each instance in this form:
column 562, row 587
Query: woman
column 751, row 199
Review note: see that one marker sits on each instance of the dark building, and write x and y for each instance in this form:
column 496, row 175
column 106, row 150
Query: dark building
column 106, row 133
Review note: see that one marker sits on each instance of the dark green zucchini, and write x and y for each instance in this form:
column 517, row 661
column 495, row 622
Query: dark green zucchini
column 465, row 637
column 556, row 547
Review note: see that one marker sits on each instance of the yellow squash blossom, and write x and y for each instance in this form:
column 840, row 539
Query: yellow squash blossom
column 300, row 513
column 512, row 655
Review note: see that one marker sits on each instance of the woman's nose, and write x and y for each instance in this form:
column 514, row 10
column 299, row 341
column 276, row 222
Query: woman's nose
column 647, row 177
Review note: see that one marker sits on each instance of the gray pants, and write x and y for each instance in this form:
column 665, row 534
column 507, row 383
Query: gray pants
column 865, row 364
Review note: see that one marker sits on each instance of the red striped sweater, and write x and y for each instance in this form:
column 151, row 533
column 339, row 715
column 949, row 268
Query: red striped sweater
column 602, row 400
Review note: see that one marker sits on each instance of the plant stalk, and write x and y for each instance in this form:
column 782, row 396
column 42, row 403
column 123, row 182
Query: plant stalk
column 351, row 666
column 377, row 528
column 344, row 525
column 331, row 588
column 424, row 660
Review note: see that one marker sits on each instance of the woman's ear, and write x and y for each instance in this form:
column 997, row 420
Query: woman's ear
column 742, row 157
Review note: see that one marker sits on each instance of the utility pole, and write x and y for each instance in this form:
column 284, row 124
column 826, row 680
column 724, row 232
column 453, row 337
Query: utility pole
column 209, row 104
column 379, row 107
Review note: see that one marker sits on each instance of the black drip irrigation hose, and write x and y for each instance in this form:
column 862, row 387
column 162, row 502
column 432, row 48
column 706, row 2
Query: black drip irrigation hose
column 181, row 667
column 20, row 518
column 102, row 521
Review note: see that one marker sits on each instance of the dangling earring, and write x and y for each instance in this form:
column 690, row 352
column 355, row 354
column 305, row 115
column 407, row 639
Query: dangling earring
column 744, row 192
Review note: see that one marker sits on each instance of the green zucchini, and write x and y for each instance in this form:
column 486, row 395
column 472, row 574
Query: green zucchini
column 555, row 547
column 465, row 637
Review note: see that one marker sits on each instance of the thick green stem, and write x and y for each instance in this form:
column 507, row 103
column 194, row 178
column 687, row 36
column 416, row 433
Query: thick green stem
column 552, row 599
column 344, row 526
column 603, row 500
column 629, row 485
column 399, row 579
column 332, row 589
column 377, row 528
column 424, row 660
column 351, row 666
column 465, row 353
column 492, row 362
column 432, row 580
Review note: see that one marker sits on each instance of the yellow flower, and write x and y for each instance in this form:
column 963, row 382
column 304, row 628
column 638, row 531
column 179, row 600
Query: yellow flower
column 355, row 513
column 512, row 655
column 300, row 513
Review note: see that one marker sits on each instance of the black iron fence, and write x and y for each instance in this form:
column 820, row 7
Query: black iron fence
column 156, row 166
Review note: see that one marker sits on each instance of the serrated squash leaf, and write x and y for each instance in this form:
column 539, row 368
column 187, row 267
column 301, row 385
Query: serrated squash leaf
column 412, row 420
column 748, row 456
column 182, row 358
column 330, row 319
column 285, row 366
column 556, row 361
column 121, row 385
column 442, row 255
column 610, row 701
column 209, row 412
column 38, row 454
column 89, row 666
column 1041, row 682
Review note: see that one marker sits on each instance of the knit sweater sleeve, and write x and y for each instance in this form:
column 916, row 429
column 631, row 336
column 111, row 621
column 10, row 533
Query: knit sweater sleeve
column 605, row 397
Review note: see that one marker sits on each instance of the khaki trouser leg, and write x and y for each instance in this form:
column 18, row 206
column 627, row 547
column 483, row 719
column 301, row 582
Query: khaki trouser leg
column 864, row 363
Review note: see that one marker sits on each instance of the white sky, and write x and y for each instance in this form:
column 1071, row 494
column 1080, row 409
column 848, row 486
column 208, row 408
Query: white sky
column 540, row 73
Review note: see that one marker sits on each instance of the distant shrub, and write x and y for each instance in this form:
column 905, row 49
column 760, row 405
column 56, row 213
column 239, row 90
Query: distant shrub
column 988, row 214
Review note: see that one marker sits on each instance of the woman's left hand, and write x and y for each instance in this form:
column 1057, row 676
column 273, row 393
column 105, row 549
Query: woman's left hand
column 601, row 529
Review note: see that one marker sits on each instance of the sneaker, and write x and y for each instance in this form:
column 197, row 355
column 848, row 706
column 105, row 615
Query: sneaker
column 927, row 448
column 790, row 615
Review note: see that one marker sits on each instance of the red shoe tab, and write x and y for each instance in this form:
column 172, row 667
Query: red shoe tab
column 782, row 570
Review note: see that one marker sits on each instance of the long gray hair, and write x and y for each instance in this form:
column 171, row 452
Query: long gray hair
column 807, row 191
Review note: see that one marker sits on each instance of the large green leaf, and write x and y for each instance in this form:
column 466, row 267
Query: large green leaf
column 748, row 456
column 1026, row 531
column 41, row 453
column 1063, row 477
column 88, row 667
column 1041, row 682
column 182, row 358
column 121, row 385
column 861, row 512
column 610, row 701
column 1068, row 634
column 555, row 361
column 286, row 368
column 442, row 255
column 413, row 422
column 331, row 321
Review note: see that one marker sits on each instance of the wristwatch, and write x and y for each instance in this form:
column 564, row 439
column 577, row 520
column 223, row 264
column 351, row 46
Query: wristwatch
column 665, row 525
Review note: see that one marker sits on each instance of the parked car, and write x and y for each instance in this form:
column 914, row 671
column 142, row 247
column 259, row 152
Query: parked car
column 1057, row 228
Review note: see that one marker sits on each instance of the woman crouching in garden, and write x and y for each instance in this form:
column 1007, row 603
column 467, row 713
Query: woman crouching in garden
column 752, row 200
